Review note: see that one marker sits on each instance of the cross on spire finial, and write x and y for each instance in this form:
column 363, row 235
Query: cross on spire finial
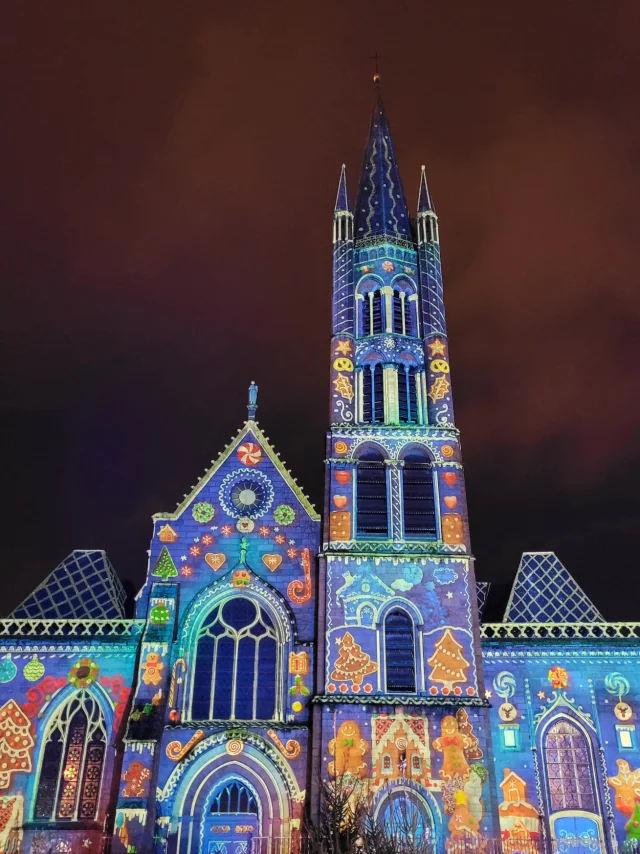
column 376, row 57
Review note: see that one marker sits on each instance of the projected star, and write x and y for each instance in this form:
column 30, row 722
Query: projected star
column 437, row 348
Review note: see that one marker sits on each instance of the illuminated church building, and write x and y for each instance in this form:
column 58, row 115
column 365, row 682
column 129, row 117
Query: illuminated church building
column 273, row 647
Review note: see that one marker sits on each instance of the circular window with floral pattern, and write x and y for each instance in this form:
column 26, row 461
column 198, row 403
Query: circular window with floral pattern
column 249, row 495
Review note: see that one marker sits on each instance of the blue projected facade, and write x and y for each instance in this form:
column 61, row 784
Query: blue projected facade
column 272, row 648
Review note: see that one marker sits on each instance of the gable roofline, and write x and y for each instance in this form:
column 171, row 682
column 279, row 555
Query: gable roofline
column 252, row 427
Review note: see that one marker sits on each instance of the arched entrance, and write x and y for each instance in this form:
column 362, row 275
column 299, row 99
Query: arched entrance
column 405, row 813
column 232, row 818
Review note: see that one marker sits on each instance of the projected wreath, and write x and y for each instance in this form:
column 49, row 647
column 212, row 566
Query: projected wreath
column 246, row 495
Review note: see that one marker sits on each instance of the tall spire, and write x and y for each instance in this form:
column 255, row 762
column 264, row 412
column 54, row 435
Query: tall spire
column 342, row 198
column 425, row 204
column 381, row 208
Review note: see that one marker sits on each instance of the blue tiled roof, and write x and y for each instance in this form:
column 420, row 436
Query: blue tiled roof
column 544, row 591
column 83, row 586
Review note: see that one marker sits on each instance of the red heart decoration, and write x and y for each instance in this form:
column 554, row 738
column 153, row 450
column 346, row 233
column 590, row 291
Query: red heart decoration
column 340, row 501
column 450, row 477
column 215, row 561
column 450, row 501
column 343, row 477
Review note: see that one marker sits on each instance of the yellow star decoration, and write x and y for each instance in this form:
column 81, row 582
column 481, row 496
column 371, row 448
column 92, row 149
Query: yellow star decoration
column 438, row 347
column 438, row 389
column 541, row 695
column 344, row 347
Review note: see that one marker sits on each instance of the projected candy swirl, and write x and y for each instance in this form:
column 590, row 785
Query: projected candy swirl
column 504, row 685
column 616, row 684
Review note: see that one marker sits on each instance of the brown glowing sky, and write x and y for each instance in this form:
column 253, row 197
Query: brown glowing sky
column 169, row 172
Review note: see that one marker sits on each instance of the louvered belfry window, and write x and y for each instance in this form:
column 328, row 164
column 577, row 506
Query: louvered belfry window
column 418, row 497
column 371, row 486
column 399, row 649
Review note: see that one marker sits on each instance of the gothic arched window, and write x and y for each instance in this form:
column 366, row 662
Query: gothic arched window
column 399, row 650
column 373, row 394
column 417, row 496
column 72, row 760
column 569, row 771
column 237, row 663
column 234, row 796
column 373, row 313
column 371, row 495
column 407, row 394
column 387, row 764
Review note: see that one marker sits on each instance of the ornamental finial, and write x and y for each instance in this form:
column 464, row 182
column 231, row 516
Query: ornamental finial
column 253, row 401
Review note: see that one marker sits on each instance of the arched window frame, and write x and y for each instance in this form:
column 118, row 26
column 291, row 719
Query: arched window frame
column 409, row 389
column 372, row 389
column 368, row 290
column 280, row 617
column 399, row 603
column 404, row 307
column 369, row 450
column 58, row 713
column 433, row 532
column 387, row 764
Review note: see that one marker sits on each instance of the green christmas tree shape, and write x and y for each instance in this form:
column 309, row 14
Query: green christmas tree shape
column 165, row 567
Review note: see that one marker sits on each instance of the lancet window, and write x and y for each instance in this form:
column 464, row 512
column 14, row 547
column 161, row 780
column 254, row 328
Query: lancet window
column 569, row 769
column 371, row 494
column 72, row 762
column 373, row 394
column 399, row 648
column 373, row 313
column 418, row 496
column 238, row 663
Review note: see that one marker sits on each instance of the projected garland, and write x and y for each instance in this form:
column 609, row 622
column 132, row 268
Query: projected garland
column 246, row 494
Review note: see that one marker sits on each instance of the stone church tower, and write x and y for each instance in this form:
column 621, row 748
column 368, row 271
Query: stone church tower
column 400, row 678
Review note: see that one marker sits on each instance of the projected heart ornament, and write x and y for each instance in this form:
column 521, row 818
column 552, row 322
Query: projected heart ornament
column 451, row 501
column 450, row 477
column 340, row 501
column 215, row 561
column 272, row 562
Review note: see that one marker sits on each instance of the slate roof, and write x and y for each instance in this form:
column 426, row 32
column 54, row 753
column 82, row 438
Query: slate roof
column 84, row 586
column 544, row 591
column 381, row 208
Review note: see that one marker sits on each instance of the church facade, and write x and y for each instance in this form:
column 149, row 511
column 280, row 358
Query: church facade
column 274, row 647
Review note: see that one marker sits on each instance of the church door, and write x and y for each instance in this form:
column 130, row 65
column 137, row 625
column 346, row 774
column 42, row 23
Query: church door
column 231, row 820
column 576, row 835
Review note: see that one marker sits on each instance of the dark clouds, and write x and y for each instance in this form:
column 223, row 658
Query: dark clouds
column 169, row 172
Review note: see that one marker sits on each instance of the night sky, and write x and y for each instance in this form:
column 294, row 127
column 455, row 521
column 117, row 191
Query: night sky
column 168, row 178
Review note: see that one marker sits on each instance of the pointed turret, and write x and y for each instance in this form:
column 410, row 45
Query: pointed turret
column 381, row 208
column 342, row 198
column 425, row 203
column 427, row 219
column 342, row 216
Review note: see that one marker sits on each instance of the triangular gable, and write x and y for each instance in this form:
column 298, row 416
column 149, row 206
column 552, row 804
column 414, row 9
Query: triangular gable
column 544, row 591
column 84, row 586
column 250, row 428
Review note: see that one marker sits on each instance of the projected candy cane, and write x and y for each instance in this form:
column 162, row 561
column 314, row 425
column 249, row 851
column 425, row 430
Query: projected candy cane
column 177, row 751
column 291, row 749
column 300, row 591
column 175, row 681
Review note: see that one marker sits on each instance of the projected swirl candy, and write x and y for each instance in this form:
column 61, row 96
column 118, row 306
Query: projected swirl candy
column 616, row 684
column 249, row 454
column 504, row 684
column 558, row 677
